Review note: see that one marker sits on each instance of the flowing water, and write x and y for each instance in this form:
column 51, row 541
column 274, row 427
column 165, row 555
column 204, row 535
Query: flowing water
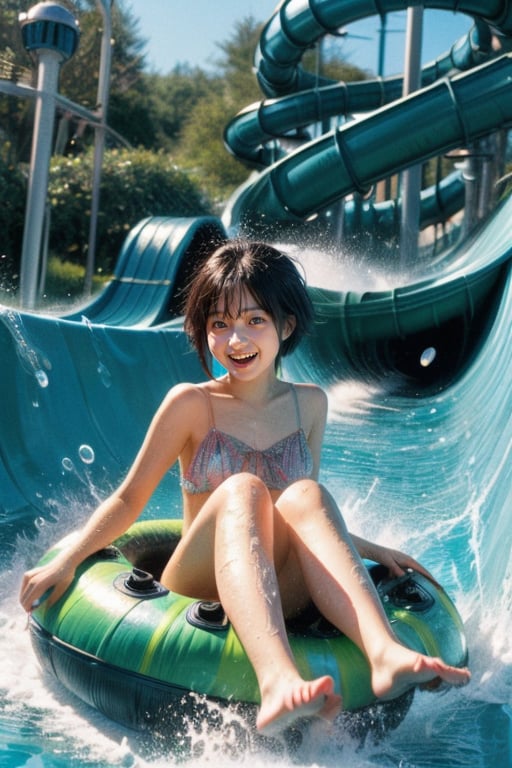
column 428, row 473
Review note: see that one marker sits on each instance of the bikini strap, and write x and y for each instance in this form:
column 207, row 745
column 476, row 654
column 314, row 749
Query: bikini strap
column 297, row 409
column 211, row 419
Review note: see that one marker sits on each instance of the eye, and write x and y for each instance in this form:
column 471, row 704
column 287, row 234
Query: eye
column 218, row 325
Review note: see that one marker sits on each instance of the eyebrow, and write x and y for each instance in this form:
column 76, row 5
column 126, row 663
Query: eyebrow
column 242, row 311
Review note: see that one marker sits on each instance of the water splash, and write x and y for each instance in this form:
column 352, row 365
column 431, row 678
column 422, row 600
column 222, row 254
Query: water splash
column 67, row 464
column 102, row 369
column 86, row 454
column 33, row 360
column 428, row 356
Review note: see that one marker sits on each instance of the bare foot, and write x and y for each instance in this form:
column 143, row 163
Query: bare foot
column 402, row 669
column 287, row 702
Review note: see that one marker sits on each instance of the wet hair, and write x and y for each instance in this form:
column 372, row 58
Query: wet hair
column 272, row 278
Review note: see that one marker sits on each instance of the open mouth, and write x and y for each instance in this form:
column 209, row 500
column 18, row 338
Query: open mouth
column 242, row 359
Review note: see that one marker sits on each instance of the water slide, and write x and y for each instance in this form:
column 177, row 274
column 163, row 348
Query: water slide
column 300, row 99
column 296, row 186
column 59, row 382
column 76, row 399
column 151, row 271
column 465, row 96
column 419, row 440
column 444, row 115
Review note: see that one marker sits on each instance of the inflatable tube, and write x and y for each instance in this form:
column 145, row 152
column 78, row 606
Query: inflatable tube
column 138, row 653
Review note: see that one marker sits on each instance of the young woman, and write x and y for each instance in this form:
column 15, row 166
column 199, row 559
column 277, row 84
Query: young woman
column 260, row 533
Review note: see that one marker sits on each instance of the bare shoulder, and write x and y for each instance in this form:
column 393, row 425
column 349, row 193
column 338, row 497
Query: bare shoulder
column 313, row 414
column 184, row 403
column 185, row 394
column 185, row 398
column 310, row 394
column 312, row 403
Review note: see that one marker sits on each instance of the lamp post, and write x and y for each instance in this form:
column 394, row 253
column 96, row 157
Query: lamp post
column 50, row 33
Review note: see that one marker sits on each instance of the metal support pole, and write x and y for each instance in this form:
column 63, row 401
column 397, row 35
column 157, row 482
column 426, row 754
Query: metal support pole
column 50, row 32
column 382, row 45
column 48, row 78
column 99, row 138
column 411, row 177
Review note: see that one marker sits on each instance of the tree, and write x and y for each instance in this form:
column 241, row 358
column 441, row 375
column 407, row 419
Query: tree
column 12, row 202
column 135, row 184
column 153, row 112
column 202, row 148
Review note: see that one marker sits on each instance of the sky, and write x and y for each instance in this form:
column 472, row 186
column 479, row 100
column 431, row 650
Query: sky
column 188, row 31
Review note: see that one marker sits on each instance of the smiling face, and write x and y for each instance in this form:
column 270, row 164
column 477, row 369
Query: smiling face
column 243, row 337
column 266, row 280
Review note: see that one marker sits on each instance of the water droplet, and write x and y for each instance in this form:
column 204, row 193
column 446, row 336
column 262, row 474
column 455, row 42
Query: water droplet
column 86, row 454
column 428, row 356
column 68, row 464
column 41, row 378
column 105, row 375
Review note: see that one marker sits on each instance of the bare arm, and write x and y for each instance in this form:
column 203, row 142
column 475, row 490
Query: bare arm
column 166, row 437
column 315, row 406
column 395, row 561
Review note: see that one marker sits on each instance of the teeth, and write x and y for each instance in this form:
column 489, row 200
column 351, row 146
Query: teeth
column 241, row 357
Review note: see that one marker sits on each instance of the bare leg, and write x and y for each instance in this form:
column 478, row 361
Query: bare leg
column 339, row 585
column 229, row 551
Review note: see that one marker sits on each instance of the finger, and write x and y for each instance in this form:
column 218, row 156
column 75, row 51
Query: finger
column 395, row 570
column 424, row 572
column 36, row 603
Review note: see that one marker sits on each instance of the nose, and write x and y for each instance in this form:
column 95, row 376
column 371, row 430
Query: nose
column 237, row 338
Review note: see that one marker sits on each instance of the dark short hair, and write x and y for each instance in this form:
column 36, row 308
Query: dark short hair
column 271, row 276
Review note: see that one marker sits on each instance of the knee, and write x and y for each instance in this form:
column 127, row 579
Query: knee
column 245, row 487
column 302, row 497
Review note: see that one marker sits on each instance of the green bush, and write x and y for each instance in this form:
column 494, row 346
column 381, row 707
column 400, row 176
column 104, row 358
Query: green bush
column 135, row 184
column 13, row 191
column 65, row 280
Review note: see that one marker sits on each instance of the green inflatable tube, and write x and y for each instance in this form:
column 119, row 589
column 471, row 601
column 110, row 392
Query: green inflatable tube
column 140, row 654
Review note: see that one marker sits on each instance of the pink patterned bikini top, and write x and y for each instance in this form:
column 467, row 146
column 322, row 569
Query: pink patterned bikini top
column 221, row 455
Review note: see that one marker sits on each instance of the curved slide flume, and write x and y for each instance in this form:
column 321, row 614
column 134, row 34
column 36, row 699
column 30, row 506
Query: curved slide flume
column 314, row 99
column 351, row 158
column 444, row 115
column 309, row 98
column 333, row 159
column 373, row 334
column 297, row 24
column 151, row 271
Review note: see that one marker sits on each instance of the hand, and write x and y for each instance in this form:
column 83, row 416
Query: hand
column 395, row 561
column 46, row 582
